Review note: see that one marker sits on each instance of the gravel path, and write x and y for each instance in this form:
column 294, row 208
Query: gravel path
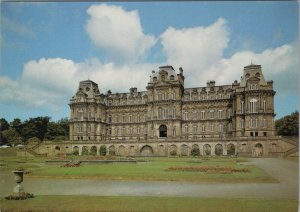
column 284, row 170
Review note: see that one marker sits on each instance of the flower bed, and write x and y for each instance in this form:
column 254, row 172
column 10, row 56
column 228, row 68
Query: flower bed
column 208, row 169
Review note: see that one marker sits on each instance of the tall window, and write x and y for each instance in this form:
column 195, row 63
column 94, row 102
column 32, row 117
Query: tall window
column 186, row 128
column 229, row 113
column 253, row 123
column 211, row 127
column 123, row 131
column 138, row 117
column 130, row 118
column 138, row 130
column 229, row 127
column 242, row 107
column 195, row 129
column 80, row 115
column 211, row 114
column 185, row 117
column 117, row 119
column 165, row 113
column 202, row 115
column 130, row 130
column 195, row 115
column 174, row 132
column 220, row 127
column 123, row 118
column 253, row 106
column 174, row 113
column 264, row 106
column 79, row 128
column 220, row 114
column 203, row 127
column 109, row 118
column 116, row 131
column 265, row 123
column 242, row 123
column 159, row 113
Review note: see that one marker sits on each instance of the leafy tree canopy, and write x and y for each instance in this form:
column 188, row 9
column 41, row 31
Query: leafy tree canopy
column 288, row 125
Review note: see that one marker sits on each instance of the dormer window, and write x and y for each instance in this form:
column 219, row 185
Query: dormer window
column 253, row 86
column 154, row 79
column 247, row 76
column 257, row 75
column 87, row 88
column 172, row 77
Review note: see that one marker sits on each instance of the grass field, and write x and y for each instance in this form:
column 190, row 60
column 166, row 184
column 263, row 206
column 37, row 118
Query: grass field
column 147, row 204
column 151, row 169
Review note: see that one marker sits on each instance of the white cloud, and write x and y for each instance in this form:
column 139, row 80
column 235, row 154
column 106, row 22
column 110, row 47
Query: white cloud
column 199, row 50
column 118, row 32
column 195, row 48
column 52, row 82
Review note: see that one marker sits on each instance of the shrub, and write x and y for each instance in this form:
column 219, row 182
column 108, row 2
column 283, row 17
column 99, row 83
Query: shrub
column 195, row 152
column 75, row 152
column 93, row 151
column 85, row 151
column 103, row 150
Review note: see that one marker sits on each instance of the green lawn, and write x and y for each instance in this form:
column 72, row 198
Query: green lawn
column 173, row 204
column 150, row 169
column 156, row 169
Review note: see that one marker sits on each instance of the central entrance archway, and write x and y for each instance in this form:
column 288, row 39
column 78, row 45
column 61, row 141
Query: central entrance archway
column 163, row 131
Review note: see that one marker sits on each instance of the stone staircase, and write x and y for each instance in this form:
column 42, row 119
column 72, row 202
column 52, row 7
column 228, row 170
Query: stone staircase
column 291, row 140
column 31, row 150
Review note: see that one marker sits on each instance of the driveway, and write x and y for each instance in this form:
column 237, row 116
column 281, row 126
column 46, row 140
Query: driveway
column 284, row 170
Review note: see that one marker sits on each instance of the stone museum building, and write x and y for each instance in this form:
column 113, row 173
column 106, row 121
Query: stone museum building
column 169, row 119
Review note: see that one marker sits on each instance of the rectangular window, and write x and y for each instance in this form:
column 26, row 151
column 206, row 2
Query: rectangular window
column 212, row 127
column 220, row 127
column 185, row 115
column 220, row 114
column 130, row 118
column 195, row 115
column 195, row 129
column 138, row 117
column 138, row 130
column 174, row 113
column 123, row 118
column 211, row 114
column 265, row 133
column 242, row 107
column 229, row 111
column 256, row 133
column 174, row 132
column 242, row 123
column 202, row 115
column 264, row 106
column 186, row 129
column 265, row 123
column 251, row 133
column 109, row 119
column 203, row 127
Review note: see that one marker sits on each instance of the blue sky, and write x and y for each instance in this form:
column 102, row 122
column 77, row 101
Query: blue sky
column 47, row 48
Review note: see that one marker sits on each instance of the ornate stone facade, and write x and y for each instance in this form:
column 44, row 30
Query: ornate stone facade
column 168, row 118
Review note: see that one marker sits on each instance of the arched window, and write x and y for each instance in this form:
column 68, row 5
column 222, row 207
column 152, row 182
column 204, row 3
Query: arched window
column 172, row 77
column 154, row 79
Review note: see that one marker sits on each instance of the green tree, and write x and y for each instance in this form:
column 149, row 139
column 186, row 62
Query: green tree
column 12, row 136
column 35, row 127
column 288, row 125
column 4, row 125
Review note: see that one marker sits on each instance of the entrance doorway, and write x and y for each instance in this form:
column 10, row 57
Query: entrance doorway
column 163, row 131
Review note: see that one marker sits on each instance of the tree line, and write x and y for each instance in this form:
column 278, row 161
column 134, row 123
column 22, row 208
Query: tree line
column 34, row 129
column 288, row 125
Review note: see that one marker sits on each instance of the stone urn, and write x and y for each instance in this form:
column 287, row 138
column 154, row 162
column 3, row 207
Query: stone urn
column 19, row 193
column 18, row 179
